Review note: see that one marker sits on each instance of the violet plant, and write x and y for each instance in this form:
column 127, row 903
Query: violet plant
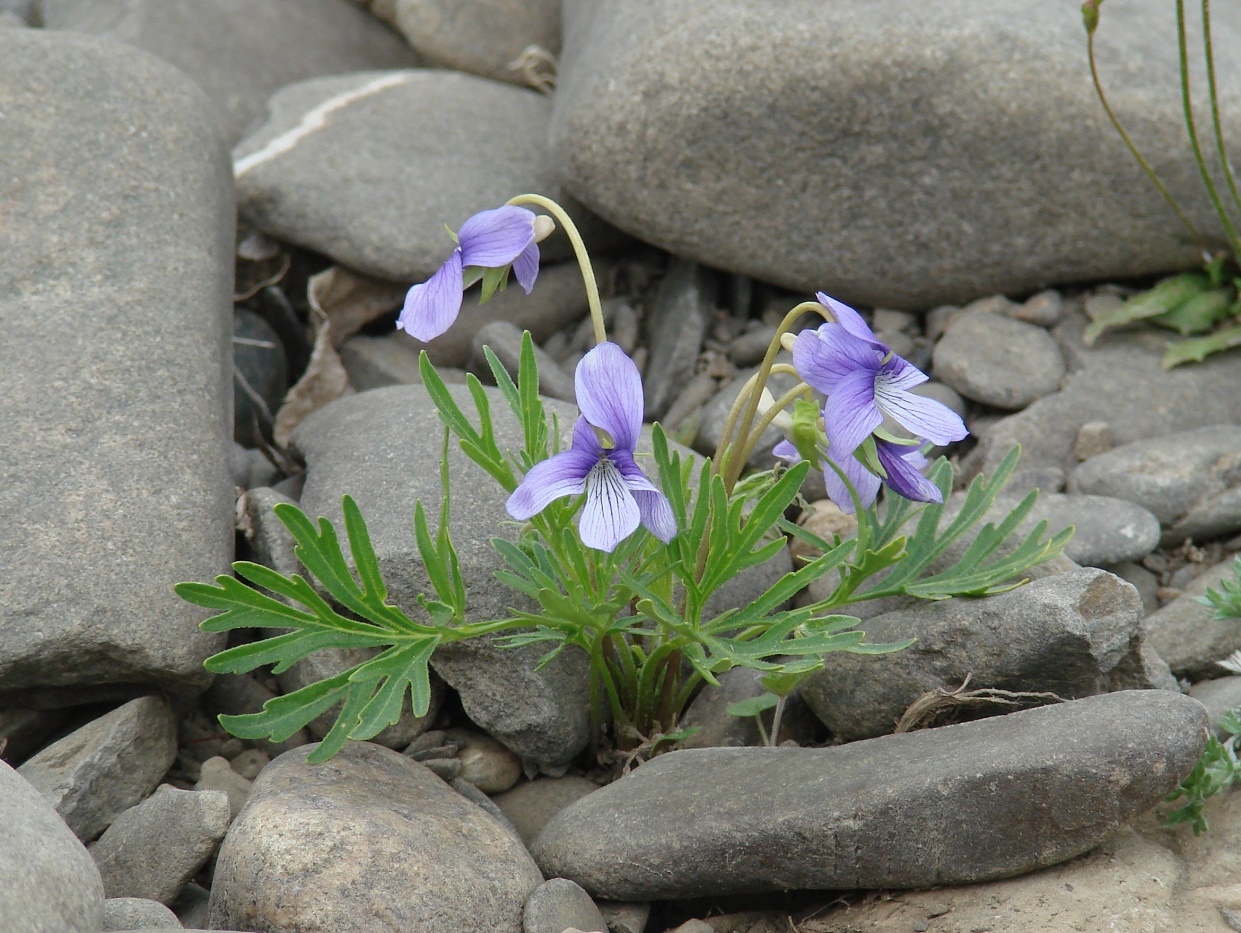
column 1204, row 305
column 619, row 552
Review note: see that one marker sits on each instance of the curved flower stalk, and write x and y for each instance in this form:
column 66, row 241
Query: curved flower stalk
column 491, row 241
column 619, row 495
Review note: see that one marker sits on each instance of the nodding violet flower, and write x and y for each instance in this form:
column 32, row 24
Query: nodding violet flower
column 864, row 381
column 494, row 239
column 618, row 494
column 902, row 464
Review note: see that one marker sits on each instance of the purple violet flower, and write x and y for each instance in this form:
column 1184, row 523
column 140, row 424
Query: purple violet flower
column 903, row 464
column 618, row 493
column 490, row 239
column 863, row 381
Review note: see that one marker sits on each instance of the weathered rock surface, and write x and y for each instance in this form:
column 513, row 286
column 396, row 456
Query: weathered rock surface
column 431, row 859
column 492, row 38
column 115, row 480
column 240, row 52
column 821, row 146
column 703, row 822
column 1120, row 384
column 440, row 146
column 50, row 883
column 1190, row 480
column 1073, row 634
column 99, row 771
column 998, row 360
column 150, row 851
column 1186, row 633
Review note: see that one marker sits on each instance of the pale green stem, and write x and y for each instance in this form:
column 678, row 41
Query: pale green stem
column 776, row 716
column 1215, row 120
column 726, row 462
column 1133, row 149
column 579, row 250
column 1187, row 106
column 765, row 420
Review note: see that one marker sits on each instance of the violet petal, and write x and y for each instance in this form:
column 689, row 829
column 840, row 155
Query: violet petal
column 493, row 239
column 609, row 393
column 431, row 308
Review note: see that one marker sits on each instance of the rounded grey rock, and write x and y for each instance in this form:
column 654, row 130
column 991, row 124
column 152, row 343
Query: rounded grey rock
column 51, row 885
column 121, row 914
column 971, row 802
column 558, row 904
column 998, row 360
column 433, row 860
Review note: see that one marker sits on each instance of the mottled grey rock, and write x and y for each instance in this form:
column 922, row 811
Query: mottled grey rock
column 50, row 883
column 485, row 763
column 151, row 850
column 676, row 325
column 22, row 731
column 1074, row 634
column 701, row 822
column 375, row 362
column 137, row 913
column 1186, row 633
column 216, row 776
column 998, row 360
column 119, row 242
column 1044, row 309
column 530, row 805
column 559, row 904
column 1107, row 530
column 241, row 51
column 302, row 177
column 99, row 771
column 432, row 860
column 504, row 339
column 484, row 37
column 1190, row 480
column 821, row 146
column 1219, row 697
column 626, row 916
column 1119, row 382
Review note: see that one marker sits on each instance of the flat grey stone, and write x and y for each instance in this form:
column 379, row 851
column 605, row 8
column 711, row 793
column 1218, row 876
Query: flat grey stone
column 997, row 360
column 1186, row 633
column 483, row 37
column 240, row 52
column 120, row 244
column 110, row 764
column 820, row 146
column 150, row 851
column 50, row 883
column 440, row 146
column 433, row 861
column 940, row 806
column 504, row 338
column 1187, row 480
column 677, row 323
column 1121, row 384
column 559, row 904
column 1219, row 697
column 531, row 804
column 121, row 914
column 1107, row 530
column 1079, row 634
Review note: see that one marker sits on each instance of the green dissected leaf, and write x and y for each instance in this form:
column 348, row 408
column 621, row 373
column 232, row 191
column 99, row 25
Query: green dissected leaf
column 1199, row 314
column 753, row 706
column 1198, row 349
column 531, row 414
column 504, row 382
column 398, row 670
column 1169, row 294
column 283, row 651
column 284, row 715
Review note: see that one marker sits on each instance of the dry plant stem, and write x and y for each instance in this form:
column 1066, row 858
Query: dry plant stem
column 741, row 416
column 1209, row 53
column 579, row 250
column 1133, row 149
column 1187, row 106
